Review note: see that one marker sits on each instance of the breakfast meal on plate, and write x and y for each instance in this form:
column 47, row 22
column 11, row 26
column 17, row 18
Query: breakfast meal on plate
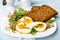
column 38, row 19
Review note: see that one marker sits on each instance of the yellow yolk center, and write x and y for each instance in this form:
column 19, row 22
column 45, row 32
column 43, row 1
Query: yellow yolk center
column 40, row 26
column 22, row 26
column 27, row 21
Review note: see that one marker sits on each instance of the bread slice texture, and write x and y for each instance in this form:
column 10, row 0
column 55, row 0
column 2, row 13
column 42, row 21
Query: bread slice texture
column 42, row 13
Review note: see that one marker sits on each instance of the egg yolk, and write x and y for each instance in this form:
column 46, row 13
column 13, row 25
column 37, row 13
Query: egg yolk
column 27, row 21
column 22, row 26
column 40, row 26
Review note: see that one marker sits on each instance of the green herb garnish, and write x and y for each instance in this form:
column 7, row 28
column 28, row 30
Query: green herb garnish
column 50, row 21
column 8, row 28
column 33, row 31
column 17, row 14
column 22, row 11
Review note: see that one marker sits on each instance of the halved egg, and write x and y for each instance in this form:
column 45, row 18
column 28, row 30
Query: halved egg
column 33, row 24
column 22, row 28
column 26, row 20
column 41, row 26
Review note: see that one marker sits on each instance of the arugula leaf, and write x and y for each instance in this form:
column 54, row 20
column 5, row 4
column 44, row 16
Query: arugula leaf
column 50, row 21
column 11, row 20
column 33, row 31
column 21, row 11
column 17, row 14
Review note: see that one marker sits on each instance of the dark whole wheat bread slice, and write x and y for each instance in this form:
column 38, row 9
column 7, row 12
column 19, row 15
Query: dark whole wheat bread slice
column 42, row 13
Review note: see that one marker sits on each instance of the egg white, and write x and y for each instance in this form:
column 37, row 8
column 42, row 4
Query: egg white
column 32, row 24
column 43, row 28
column 36, row 23
column 25, row 30
column 23, row 18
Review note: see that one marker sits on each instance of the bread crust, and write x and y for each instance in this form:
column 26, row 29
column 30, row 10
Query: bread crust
column 42, row 13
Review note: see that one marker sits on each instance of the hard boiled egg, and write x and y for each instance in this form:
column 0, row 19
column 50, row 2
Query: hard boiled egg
column 41, row 26
column 21, row 27
column 26, row 20
column 32, row 24
column 21, row 24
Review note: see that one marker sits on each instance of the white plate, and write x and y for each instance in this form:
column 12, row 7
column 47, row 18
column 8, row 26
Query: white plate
column 4, row 22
